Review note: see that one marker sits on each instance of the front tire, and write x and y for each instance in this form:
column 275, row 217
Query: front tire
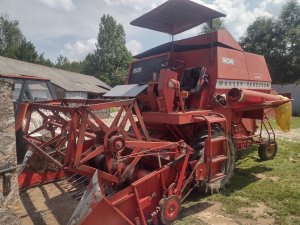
column 170, row 209
column 198, row 144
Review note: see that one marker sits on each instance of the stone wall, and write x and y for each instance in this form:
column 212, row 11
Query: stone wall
column 9, row 205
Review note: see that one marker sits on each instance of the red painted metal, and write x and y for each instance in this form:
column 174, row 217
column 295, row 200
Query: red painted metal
column 242, row 99
column 30, row 178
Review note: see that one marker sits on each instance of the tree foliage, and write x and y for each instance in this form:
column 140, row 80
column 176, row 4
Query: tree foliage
column 13, row 44
column 91, row 64
column 26, row 52
column 279, row 41
column 111, row 56
column 44, row 61
column 10, row 37
column 65, row 64
column 217, row 24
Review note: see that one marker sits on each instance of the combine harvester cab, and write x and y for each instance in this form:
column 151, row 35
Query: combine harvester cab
column 185, row 109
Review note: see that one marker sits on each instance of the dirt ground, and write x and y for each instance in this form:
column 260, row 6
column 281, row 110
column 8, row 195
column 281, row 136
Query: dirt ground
column 213, row 213
column 293, row 135
column 50, row 204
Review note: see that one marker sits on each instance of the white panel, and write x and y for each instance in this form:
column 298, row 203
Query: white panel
column 228, row 84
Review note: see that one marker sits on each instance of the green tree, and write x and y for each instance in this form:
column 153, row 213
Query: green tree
column 111, row 51
column 61, row 61
column 13, row 44
column 43, row 61
column 10, row 37
column 217, row 24
column 91, row 64
column 26, row 52
column 290, row 26
column 264, row 37
column 65, row 64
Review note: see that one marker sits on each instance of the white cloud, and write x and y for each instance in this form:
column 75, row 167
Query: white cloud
column 239, row 16
column 137, row 5
column 79, row 49
column 123, row 2
column 59, row 4
column 134, row 47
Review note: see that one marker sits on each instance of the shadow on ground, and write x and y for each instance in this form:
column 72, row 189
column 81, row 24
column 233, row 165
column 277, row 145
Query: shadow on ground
column 243, row 176
column 44, row 207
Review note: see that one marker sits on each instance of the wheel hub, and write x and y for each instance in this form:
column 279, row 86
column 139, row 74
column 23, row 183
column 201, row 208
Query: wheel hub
column 170, row 209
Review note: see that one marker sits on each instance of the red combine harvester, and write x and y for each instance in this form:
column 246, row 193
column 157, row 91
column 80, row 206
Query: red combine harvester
column 186, row 107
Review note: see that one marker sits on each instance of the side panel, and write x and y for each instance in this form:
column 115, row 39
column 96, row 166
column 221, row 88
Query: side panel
column 142, row 71
column 257, row 68
column 231, row 64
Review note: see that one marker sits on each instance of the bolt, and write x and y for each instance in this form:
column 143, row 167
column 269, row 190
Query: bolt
column 119, row 144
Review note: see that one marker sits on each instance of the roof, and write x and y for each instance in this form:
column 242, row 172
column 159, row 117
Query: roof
column 69, row 81
column 176, row 16
column 222, row 38
column 13, row 76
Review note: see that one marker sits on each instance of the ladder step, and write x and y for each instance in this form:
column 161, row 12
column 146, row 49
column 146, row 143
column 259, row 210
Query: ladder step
column 217, row 177
column 219, row 158
column 210, row 119
column 219, row 139
column 215, row 119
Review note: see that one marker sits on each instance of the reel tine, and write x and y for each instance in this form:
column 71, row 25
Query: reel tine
column 71, row 177
column 73, row 183
column 79, row 183
column 79, row 193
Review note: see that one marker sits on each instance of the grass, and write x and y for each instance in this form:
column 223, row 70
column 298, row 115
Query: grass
column 295, row 122
column 279, row 190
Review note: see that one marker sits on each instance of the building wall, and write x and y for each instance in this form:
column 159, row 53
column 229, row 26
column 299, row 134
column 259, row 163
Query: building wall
column 77, row 95
column 294, row 91
column 9, row 203
column 61, row 94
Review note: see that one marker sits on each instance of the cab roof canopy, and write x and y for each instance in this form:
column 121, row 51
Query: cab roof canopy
column 176, row 16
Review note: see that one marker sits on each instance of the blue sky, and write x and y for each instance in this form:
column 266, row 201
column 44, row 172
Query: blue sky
column 70, row 27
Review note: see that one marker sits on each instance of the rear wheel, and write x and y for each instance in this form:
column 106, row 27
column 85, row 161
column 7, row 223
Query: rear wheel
column 198, row 144
column 267, row 151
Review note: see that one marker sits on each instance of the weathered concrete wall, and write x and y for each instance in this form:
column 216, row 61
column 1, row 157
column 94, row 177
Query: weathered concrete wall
column 9, row 205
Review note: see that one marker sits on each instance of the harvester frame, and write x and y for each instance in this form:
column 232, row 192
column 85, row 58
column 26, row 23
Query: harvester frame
column 186, row 107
